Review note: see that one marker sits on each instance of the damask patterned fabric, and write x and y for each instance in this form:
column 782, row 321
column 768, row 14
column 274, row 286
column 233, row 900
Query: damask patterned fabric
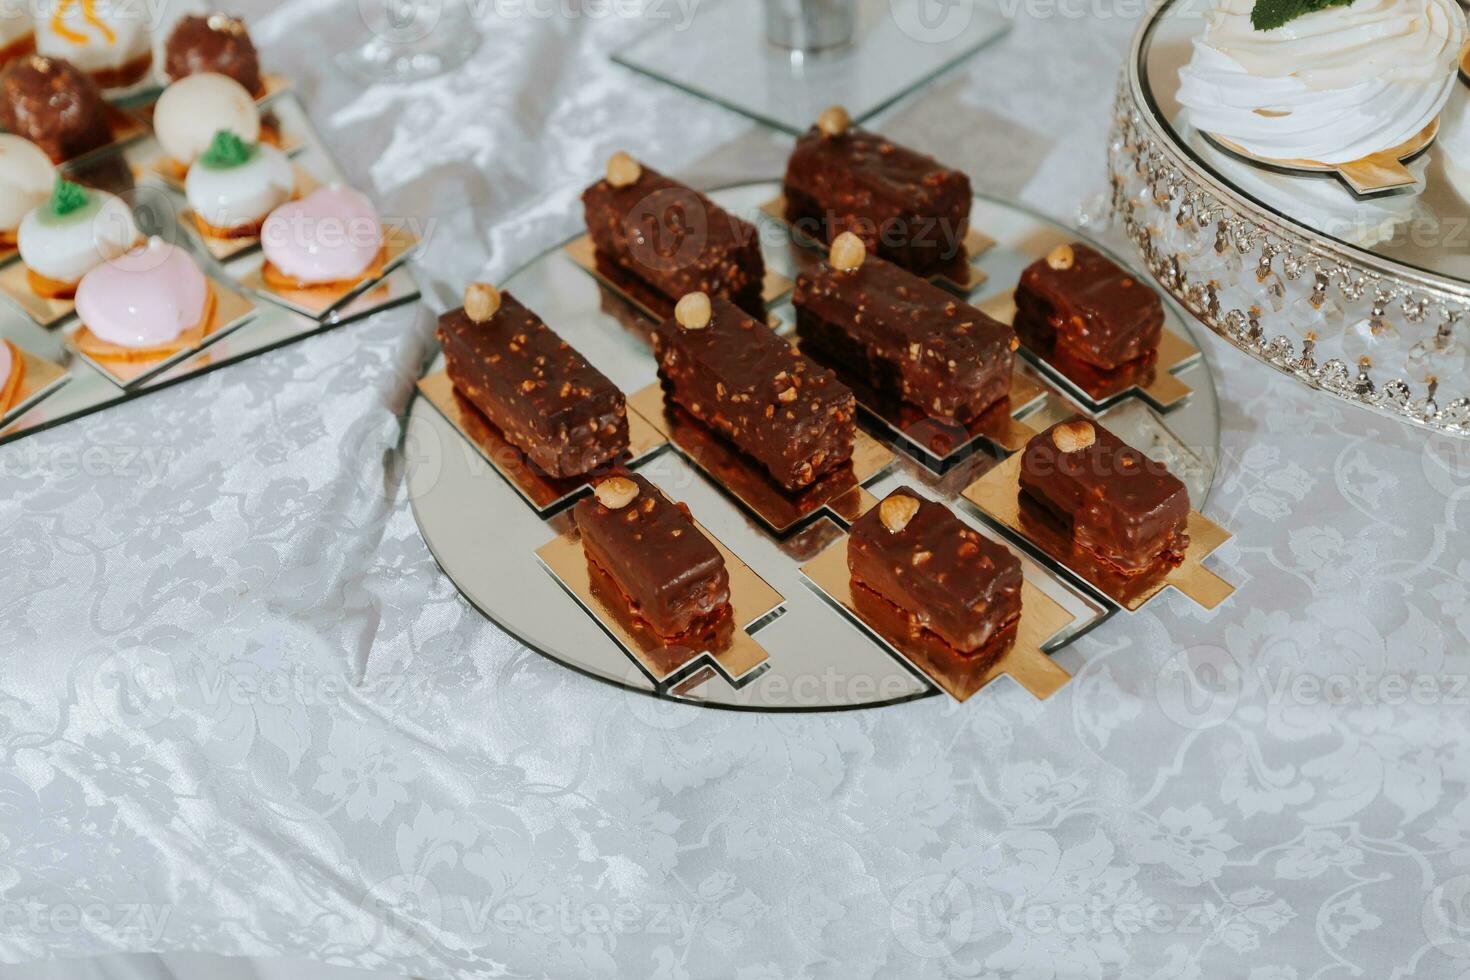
column 242, row 711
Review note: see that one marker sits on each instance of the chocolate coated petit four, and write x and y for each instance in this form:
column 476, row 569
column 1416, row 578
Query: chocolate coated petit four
column 949, row 578
column 736, row 376
column 902, row 335
column 1121, row 506
column 1089, row 307
column 537, row 389
column 673, row 576
column 216, row 43
column 55, row 106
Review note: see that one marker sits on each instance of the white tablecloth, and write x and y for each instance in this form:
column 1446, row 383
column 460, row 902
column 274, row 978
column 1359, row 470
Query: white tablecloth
column 242, row 711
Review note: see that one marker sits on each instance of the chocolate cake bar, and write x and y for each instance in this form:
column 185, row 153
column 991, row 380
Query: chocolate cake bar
column 905, row 206
column 543, row 396
column 1123, row 507
column 1089, row 307
column 673, row 238
column 737, row 377
column 906, row 338
column 673, row 576
column 950, row 579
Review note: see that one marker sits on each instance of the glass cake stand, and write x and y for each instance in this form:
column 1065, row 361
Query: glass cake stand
column 723, row 54
column 485, row 536
column 1363, row 299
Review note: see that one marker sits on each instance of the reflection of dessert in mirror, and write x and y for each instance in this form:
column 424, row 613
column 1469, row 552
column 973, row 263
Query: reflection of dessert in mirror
column 73, row 232
column 107, row 39
column 950, row 579
column 903, row 336
column 734, row 374
column 54, row 105
column 1126, row 510
column 190, row 112
column 673, row 576
column 328, row 241
column 672, row 237
column 215, row 43
column 27, row 178
column 1088, row 307
column 906, row 207
column 543, row 396
column 1329, row 84
column 12, row 375
column 146, row 305
column 235, row 185
column 17, row 33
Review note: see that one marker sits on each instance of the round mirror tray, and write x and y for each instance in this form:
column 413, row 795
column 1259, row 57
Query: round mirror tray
column 507, row 541
column 1358, row 294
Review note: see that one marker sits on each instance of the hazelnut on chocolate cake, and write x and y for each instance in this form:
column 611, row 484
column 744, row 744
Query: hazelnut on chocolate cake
column 949, row 578
column 1089, row 307
column 672, row 237
column 54, row 105
column 906, row 207
column 673, row 576
column 214, row 43
column 736, row 376
column 1124, row 508
column 903, row 335
column 539, row 391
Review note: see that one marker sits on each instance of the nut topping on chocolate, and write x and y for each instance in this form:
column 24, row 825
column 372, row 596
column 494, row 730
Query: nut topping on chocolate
column 616, row 492
column 847, row 252
column 1061, row 258
column 693, row 311
column 623, row 170
column 897, row 511
column 481, row 301
column 1070, row 437
column 834, row 121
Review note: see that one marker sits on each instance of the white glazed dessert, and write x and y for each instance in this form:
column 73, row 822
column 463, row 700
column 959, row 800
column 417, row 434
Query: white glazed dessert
column 235, row 185
column 193, row 109
column 17, row 35
column 75, row 231
column 27, row 177
column 1332, row 86
column 107, row 39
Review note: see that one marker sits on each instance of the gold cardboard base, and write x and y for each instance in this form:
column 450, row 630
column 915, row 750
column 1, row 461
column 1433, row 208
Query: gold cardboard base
column 959, row 675
column 319, row 303
column 544, row 493
column 1155, row 379
column 998, row 495
column 644, row 297
column 42, row 377
column 1375, row 174
column 960, row 273
column 734, row 651
column 839, row 493
column 231, row 310
column 17, row 289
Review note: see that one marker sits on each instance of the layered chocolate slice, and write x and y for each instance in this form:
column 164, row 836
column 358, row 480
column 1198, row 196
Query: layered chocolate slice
column 949, row 578
column 539, row 391
column 906, row 207
column 673, row 238
column 902, row 335
column 734, row 374
column 673, row 576
column 1088, row 307
column 1121, row 506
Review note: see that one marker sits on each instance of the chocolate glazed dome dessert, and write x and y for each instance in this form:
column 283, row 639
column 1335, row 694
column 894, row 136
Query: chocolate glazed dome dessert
column 54, row 105
column 215, row 43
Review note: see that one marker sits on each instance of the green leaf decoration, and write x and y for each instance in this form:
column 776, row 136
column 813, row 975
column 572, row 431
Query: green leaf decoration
column 1269, row 14
column 226, row 150
column 67, row 197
